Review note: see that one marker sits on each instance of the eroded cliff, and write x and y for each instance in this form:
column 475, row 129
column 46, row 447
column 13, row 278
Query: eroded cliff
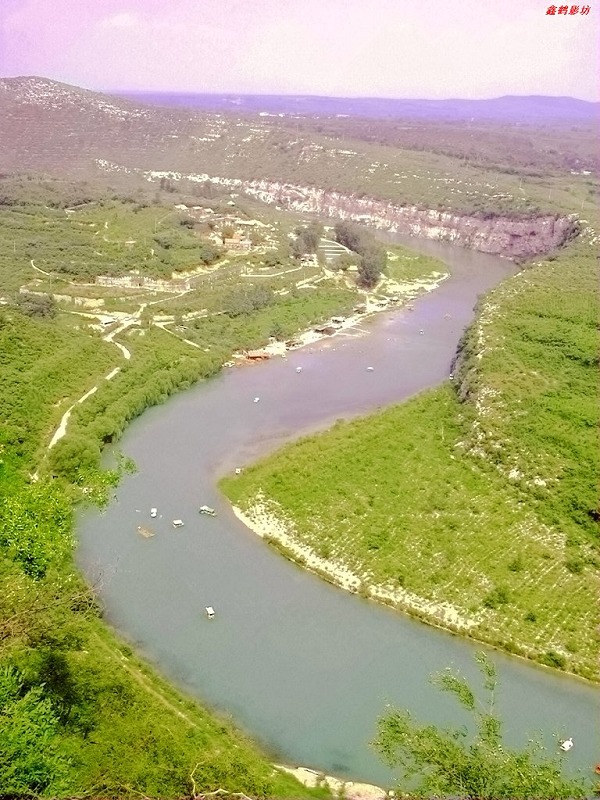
column 518, row 237
column 515, row 237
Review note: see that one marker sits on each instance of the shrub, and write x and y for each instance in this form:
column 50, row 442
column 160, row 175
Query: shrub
column 499, row 596
column 553, row 659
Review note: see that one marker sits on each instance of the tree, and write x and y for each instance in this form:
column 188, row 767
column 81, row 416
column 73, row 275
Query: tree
column 73, row 455
column 453, row 762
column 308, row 239
column 37, row 305
column 371, row 265
column 344, row 262
column 347, row 234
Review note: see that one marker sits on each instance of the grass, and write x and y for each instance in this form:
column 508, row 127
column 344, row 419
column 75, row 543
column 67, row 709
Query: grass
column 423, row 500
column 98, row 720
column 103, row 721
column 406, row 265
column 260, row 150
column 44, row 368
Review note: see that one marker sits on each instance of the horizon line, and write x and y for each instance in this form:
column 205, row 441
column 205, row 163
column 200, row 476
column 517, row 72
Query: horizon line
column 421, row 98
column 220, row 93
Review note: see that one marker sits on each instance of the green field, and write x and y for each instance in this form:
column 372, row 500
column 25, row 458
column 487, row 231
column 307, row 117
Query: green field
column 474, row 505
column 87, row 716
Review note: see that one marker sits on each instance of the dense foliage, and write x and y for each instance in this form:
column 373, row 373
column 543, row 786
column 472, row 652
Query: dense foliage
column 105, row 236
column 78, row 712
column 307, row 239
column 373, row 257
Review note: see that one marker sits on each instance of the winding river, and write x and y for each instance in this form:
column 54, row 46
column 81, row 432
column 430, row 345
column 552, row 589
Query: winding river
column 302, row 666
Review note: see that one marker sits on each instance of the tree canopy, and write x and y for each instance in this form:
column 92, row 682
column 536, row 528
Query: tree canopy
column 373, row 257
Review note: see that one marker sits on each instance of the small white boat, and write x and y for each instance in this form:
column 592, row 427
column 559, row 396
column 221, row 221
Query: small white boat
column 153, row 512
column 210, row 612
column 257, row 399
column 178, row 523
column 298, row 369
column 370, row 369
column 207, row 510
column 421, row 331
column 451, row 376
column 566, row 745
column 238, row 470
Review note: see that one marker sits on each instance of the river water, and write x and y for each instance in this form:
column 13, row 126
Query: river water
column 303, row 667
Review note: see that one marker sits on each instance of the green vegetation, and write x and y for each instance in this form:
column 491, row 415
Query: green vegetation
column 455, row 763
column 81, row 714
column 307, row 239
column 479, row 170
column 85, row 716
column 281, row 317
column 372, row 256
column 42, row 367
column 105, row 236
column 405, row 265
column 477, row 515
column 529, row 366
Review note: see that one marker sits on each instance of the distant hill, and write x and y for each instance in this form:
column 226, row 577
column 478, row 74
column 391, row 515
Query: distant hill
column 512, row 108
column 52, row 127
column 47, row 125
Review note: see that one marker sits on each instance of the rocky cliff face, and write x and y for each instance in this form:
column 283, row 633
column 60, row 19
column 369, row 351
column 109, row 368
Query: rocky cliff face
column 514, row 237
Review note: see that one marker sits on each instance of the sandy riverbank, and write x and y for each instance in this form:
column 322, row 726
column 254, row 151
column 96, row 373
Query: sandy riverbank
column 338, row 788
column 402, row 294
column 268, row 521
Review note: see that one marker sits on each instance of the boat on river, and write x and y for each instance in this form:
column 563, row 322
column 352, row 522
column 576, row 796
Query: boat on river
column 566, row 745
column 210, row 612
column 145, row 532
column 178, row 523
column 207, row 510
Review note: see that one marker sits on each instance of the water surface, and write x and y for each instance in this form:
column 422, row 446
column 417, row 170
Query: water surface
column 302, row 666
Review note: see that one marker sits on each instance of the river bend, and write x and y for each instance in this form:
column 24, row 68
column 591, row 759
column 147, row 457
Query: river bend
column 302, row 666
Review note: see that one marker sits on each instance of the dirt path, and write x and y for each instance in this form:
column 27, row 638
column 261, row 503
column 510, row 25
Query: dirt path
column 37, row 269
column 162, row 325
column 61, row 431
column 110, row 337
column 62, row 428
column 142, row 681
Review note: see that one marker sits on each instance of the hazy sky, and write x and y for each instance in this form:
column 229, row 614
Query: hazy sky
column 385, row 48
